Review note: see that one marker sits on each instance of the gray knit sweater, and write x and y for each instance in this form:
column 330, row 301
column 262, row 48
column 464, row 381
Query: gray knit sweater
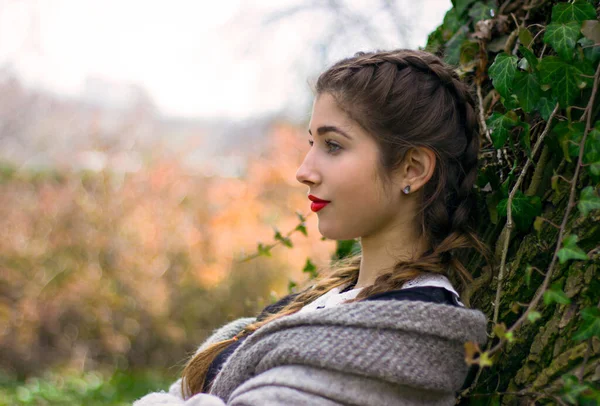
column 362, row 353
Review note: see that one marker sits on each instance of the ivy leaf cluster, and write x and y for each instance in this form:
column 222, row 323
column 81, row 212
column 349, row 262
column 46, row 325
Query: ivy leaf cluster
column 591, row 324
column 588, row 201
column 570, row 250
column 536, row 82
column 556, row 295
column 524, row 209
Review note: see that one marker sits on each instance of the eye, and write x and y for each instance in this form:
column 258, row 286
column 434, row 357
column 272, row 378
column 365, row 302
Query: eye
column 334, row 145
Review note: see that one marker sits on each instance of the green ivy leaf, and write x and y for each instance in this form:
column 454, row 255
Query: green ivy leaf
column 453, row 45
column 503, row 72
column 590, row 326
column 285, row 240
column 564, row 79
column 570, row 250
column 588, row 201
column 450, row 24
column 292, row 287
column 556, row 295
column 461, row 5
column 545, row 106
column 532, row 316
column 527, row 89
column 563, row 38
column 482, row 11
column 302, row 229
column 264, row 250
column 577, row 11
column 524, row 209
column 310, row 269
column 501, row 124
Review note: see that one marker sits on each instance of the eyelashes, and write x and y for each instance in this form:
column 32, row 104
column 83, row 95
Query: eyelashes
column 330, row 145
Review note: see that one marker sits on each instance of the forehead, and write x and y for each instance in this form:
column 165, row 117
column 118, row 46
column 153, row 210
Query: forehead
column 326, row 111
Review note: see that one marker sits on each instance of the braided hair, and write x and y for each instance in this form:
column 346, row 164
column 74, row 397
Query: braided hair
column 403, row 99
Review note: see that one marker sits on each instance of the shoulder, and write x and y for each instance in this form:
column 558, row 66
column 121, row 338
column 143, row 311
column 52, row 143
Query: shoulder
column 226, row 332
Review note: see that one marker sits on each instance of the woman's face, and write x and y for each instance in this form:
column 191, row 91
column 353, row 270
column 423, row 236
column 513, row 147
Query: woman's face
column 341, row 166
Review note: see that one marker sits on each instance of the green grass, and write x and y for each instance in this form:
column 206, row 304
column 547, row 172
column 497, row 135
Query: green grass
column 89, row 388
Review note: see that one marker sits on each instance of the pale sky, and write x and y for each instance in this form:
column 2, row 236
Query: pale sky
column 189, row 55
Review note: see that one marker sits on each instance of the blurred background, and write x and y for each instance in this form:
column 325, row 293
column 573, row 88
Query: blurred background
column 146, row 147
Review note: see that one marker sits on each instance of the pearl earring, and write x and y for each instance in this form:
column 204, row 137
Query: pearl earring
column 407, row 189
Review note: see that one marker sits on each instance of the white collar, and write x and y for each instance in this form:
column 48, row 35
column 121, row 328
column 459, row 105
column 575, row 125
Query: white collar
column 333, row 297
column 433, row 279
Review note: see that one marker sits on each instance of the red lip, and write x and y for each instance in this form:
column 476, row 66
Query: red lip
column 317, row 200
column 317, row 204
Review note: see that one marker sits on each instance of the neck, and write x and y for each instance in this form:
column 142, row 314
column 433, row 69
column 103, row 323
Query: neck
column 379, row 255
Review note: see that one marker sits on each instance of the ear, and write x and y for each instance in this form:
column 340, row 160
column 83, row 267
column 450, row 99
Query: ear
column 418, row 167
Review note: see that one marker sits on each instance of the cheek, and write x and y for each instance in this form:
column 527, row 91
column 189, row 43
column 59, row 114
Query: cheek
column 359, row 208
column 362, row 187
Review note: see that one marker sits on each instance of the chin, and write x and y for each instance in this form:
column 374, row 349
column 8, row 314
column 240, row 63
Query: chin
column 335, row 234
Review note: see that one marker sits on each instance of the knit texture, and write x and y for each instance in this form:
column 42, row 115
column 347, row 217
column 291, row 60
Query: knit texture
column 303, row 385
column 226, row 332
column 404, row 345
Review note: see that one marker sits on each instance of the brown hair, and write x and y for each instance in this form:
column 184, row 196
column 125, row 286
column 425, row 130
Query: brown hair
column 403, row 99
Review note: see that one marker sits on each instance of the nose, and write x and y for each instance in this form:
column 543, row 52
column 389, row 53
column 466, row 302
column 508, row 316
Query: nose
column 306, row 173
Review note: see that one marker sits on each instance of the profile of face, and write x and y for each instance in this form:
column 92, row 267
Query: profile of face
column 341, row 167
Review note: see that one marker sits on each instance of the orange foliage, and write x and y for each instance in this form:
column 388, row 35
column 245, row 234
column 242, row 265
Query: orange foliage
column 95, row 266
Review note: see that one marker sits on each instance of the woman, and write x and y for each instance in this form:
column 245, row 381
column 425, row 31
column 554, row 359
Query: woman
column 393, row 161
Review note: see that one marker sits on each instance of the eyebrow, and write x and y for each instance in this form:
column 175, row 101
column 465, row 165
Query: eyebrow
column 329, row 128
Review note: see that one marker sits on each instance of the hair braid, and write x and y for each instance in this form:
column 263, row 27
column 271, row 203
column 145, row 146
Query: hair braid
column 403, row 98
column 450, row 220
